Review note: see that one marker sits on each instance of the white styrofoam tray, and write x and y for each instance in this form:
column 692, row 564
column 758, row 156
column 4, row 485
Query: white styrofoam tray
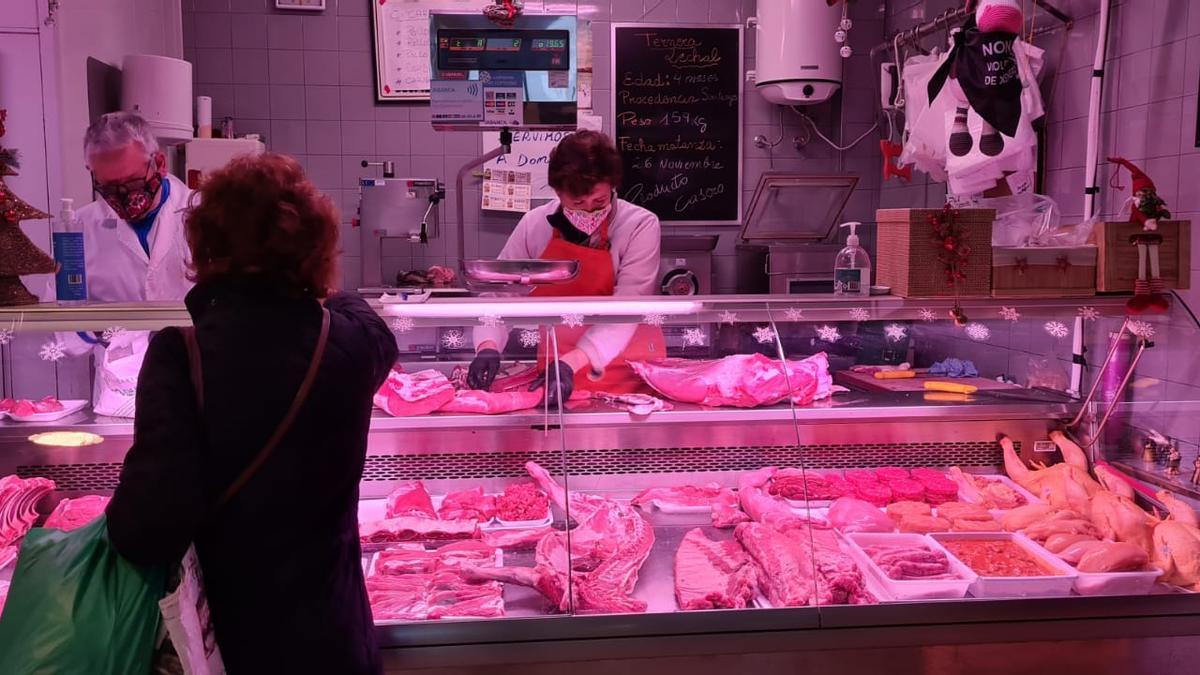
column 910, row 589
column 1117, row 583
column 1046, row 586
column 69, row 408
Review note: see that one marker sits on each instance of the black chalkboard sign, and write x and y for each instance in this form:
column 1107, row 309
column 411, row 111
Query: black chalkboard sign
column 677, row 120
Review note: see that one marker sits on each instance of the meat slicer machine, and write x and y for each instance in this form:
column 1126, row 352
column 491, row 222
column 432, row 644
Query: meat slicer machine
column 394, row 208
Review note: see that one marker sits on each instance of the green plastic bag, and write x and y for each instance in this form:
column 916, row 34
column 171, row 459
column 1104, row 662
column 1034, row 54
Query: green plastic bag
column 76, row 606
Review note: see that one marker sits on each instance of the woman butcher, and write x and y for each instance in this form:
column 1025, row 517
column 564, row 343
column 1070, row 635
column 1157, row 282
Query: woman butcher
column 617, row 246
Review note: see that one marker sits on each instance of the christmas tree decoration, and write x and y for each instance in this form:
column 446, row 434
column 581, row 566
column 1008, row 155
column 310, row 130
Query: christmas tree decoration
column 895, row 332
column 18, row 255
column 1146, row 209
column 829, row 333
column 693, row 337
column 978, row 332
column 403, row 324
column 764, row 335
column 860, row 314
column 1057, row 329
column 1010, row 314
column 530, row 338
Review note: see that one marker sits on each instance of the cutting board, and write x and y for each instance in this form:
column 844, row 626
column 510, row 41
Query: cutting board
column 867, row 382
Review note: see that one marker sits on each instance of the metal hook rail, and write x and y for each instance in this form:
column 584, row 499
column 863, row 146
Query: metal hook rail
column 1143, row 344
column 955, row 14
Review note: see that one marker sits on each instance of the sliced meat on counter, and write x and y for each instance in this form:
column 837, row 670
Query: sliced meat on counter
column 522, row 502
column 18, row 505
column 411, row 394
column 740, row 380
column 785, row 561
column 409, row 528
column 410, row 558
column 681, row 496
column 1114, row 556
column 470, row 504
column 897, row 510
column 489, row 403
column 800, row 485
column 1057, row 542
column 907, row 563
column 515, row 540
column 923, row 524
column 839, row 581
column 410, row 498
column 1042, row 530
column 854, row 515
column 415, row 597
column 726, row 511
column 713, row 574
column 1073, row 553
column 72, row 514
column 975, row 526
column 963, row 511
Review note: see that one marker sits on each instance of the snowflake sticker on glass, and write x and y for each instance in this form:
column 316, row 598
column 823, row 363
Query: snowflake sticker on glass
column 1057, row 329
column 454, row 339
column 764, row 334
column 829, row 333
column 693, row 337
column 1088, row 313
column 653, row 319
column 491, row 321
column 572, row 320
column 1141, row 329
column 402, row 324
column 1010, row 314
column 895, row 332
column 52, row 351
column 6, row 336
column 927, row 314
column 794, row 314
column 729, row 318
column 859, row 314
column 530, row 338
column 978, row 332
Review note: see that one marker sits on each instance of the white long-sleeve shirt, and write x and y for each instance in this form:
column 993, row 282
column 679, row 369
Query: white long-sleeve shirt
column 635, row 241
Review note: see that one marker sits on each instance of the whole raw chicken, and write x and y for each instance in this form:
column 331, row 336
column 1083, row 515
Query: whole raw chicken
column 1177, row 552
column 1179, row 509
column 1111, row 479
column 1120, row 519
column 1066, row 485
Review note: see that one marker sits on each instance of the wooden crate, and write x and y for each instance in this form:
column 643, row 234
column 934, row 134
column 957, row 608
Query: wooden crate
column 1032, row 272
column 906, row 258
column 1117, row 264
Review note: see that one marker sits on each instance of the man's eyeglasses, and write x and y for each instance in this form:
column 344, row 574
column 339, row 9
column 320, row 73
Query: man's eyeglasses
column 109, row 190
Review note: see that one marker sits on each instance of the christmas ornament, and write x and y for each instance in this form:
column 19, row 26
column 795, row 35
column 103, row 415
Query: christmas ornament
column 927, row 314
column 794, row 314
column 18, row 255
column 1141, row 329
column 953, row 252
column 491, row 321
column 978, row 332
column 895, row 332
column 1146, row 209
column 764, row 334
column 403, row 324
column 572, row 320
column 860, row 314
column 693, row 337
column 654, row 319
column 1010, row 314
column 1088, row 313
column 829, row 333
column 530, row 338
column 454, row 339
column 1056, row 328
column 52, row 351
column 729, row 318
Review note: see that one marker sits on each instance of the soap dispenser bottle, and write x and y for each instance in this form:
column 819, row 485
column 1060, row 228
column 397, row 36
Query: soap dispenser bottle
column 852, row 269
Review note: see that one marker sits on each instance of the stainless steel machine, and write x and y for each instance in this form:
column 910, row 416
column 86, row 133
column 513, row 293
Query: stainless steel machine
column 686, row 267
column 789, row 236
column 394, row 208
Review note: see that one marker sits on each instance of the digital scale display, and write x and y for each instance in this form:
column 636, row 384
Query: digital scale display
column 460, row 49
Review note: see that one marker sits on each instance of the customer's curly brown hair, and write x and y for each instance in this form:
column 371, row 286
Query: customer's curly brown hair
column 260, row 217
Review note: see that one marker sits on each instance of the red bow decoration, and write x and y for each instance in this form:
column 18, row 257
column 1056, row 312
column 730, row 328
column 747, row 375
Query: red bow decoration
column 891, row 151
column 1022, row 264
column 1063, row 263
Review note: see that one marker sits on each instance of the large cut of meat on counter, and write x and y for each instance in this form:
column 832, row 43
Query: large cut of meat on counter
column 71, row 514
column 409, row 528
column 761, row 506
column 726, row 511
column 713, row 574
column 470, row 504
column 1066, row 486
column 839, row 581
column 515, row 540
column 681, row 496
column 410, row 394
column 740, row 380
column 18, row 505
column 1119, row 518
column 607, row 549
column 414, row 597
column 410, row 498
column 785, row 560
column 489, row 403
column 800, row 485
column 410, row 558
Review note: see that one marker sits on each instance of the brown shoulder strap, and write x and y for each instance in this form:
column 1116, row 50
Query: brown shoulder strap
column 297, row 403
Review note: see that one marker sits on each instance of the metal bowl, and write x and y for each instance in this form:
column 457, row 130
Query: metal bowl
column 520, row 272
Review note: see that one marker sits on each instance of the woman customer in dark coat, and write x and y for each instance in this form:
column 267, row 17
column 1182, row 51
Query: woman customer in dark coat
column 281, row 559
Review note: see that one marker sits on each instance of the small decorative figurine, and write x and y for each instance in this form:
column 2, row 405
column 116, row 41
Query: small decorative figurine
column 1173, row 460
column 1196, row 470
column 1149, row 452
column 1146, row 209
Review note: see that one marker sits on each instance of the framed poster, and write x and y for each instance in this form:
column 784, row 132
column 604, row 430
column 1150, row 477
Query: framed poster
column 401, row 34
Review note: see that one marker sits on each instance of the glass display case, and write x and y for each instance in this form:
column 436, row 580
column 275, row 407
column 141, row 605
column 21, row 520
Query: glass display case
column 776, row 464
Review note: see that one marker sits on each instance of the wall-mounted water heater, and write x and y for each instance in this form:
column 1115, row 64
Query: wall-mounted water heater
column 796, row 57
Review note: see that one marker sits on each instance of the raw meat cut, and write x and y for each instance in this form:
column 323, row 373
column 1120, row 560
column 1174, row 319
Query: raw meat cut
column 740, row 380
column 786, row 563
column 470, row 504
column 939, row 490
column 408, row 395
column 409, row 528
column 906, row 563
column 18, row 505
column 680, row 496
column 1056, row 543
column 412, row 558
column 975, row 526
column 1177, row 552
column 1024, row 516
column 488, row 403
column 962, row 511
column 860, row 476
column 906, row 489
column 522, row 502
column 897, row 510
column 25, row 407
column 607, row 549
column 713, row 574
column 888, row 474
column 415, row 597
column 725, row 511
column 876, row 493
column 800, row 485
column 72, row 514
column 515, row 540
column 854, row 515
column 410, row 498
column 1073, row 553
column 760, row 506
column 7, row 404
column 989, row 492
column 923, row 524
column 1041, row 531
column 924, row 473
column 1114, row 557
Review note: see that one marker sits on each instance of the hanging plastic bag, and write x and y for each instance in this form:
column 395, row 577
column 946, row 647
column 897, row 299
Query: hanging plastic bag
column 189, row 623
column 117, row 368
column 77, row 606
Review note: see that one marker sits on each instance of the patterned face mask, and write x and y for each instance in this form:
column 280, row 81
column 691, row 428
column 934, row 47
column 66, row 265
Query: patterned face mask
column 587, row 222
column 133, row 199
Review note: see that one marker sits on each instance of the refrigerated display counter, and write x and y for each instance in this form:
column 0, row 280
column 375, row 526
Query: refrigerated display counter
column 801, row 482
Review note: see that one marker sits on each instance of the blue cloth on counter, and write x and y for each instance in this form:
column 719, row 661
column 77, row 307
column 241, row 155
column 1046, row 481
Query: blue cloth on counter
column 954, row 368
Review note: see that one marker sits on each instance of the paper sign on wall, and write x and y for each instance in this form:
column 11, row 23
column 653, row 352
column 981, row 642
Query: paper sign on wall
column 530, row 152
column 506, row 190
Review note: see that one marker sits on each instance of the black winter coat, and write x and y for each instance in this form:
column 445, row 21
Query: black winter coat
column 282, row 559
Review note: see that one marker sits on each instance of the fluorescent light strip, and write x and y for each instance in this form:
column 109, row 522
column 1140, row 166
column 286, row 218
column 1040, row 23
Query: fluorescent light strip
column 506, row 310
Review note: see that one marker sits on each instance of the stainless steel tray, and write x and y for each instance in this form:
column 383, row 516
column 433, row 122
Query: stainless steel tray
column 520, row 272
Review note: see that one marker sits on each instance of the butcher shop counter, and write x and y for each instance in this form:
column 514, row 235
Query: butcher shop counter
column 603, row 454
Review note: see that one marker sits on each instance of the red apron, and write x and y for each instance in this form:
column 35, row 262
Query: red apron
column 597, row 277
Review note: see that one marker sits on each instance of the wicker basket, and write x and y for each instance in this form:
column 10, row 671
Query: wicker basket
column 1028, row 272
column 907, row 260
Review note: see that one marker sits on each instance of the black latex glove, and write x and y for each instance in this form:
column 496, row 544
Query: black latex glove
column 484, row 368
column 566, row 378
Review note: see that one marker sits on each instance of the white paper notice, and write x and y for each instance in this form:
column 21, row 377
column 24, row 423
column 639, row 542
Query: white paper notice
column 530, row 152
column 506, row 190
column 402, row 44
